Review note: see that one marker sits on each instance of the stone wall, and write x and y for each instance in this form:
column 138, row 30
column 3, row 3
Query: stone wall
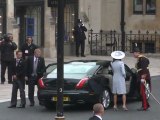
column 49, row 49
column 142, row 22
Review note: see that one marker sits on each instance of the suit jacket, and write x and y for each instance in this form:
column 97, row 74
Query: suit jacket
column 7, row 51
column 94, row 118
column 79, row 33
column 40, row 67
column 20, row 69
column 29, row 48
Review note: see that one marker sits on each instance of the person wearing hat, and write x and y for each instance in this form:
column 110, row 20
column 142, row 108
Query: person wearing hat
column 119, row 75
column 79, row 35
column 143, row 77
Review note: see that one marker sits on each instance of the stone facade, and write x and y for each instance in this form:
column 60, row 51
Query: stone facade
column 49, row 42
column 142, row 22
column 97, row 15
column 106, row 15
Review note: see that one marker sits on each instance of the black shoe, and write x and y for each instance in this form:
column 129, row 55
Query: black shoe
column 2, row 82
column 83, row 56
column 142, row 109
column 32, row 104
column 12, row 106
column 9, row 82
column 21, row 106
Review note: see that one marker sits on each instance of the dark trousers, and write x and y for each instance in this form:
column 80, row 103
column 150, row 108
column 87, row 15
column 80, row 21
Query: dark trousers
column 4, row 65
column 78, row 44
column 31, row 87
column 18, row 84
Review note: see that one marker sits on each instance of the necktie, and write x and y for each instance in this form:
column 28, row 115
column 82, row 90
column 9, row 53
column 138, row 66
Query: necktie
column 17, row 62
column 35, row 66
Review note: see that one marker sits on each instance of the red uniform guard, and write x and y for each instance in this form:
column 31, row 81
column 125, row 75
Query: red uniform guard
column 143, row 76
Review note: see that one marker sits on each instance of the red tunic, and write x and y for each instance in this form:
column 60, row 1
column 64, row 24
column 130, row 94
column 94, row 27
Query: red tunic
column 143, row 73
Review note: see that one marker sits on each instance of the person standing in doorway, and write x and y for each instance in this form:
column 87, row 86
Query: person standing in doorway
column 79, row 35
column 142, row 67
column 119, row 75
column 7, row 48
column 35, row 70
column 28, row 47
column 18, row 74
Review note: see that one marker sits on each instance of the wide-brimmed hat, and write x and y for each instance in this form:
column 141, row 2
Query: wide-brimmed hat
column 118, row 54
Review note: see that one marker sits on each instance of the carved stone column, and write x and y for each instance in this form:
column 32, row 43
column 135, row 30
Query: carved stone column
column 10, row 15
column 11, row 24
column 49, row 43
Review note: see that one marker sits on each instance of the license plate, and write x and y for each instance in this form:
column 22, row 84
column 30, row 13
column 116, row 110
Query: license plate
column 65, row 99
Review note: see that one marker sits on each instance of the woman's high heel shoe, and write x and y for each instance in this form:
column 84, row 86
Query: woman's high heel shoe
column 115, row 108
column 125, row 108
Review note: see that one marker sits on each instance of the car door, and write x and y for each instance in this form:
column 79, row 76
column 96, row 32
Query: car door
column 106, row 72
column 128, row 78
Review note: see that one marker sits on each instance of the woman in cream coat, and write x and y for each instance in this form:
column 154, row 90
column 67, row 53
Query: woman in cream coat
column 119, row 74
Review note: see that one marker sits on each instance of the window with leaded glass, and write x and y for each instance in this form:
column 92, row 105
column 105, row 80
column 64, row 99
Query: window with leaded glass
column 144, row 7
column 138, row 6
column 150, row 6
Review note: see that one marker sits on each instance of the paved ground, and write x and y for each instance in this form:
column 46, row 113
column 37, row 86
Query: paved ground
column 5, row 89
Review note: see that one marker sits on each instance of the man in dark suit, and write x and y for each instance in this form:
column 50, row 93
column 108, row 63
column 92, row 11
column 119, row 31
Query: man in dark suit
column 98, row 111
column 28, row 48
column 79, row 34
column 18, row 69
column 35, row 70
column 7, row 47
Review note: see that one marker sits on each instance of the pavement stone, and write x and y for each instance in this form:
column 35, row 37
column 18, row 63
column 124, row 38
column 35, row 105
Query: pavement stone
column 6, row 88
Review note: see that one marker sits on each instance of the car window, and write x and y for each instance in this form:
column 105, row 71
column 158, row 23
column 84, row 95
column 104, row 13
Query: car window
column 105, row 70
column 128, row 73
column 50, row 68
column 75, row 68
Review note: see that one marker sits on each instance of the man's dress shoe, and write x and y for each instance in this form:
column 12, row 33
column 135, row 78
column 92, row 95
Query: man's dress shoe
column 21, row 106
column 32, row 105
column 12, row 106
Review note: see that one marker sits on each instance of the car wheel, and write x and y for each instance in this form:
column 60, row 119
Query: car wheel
column 147, row 91
column 105, row 99
column 49, row 106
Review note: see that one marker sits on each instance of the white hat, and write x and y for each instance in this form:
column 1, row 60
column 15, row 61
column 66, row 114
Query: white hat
column 118, row 54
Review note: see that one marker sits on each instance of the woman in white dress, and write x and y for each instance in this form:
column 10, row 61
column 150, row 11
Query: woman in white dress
column 119, row 74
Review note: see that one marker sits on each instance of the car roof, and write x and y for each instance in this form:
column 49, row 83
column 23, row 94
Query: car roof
column 104, row 63
column 89, row 62
column 96, row 62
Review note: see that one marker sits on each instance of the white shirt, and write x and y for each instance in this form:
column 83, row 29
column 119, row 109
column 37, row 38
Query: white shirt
column 35, row 58
column 99, row 117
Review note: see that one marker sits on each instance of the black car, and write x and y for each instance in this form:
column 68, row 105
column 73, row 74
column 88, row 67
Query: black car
column 85, row 81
